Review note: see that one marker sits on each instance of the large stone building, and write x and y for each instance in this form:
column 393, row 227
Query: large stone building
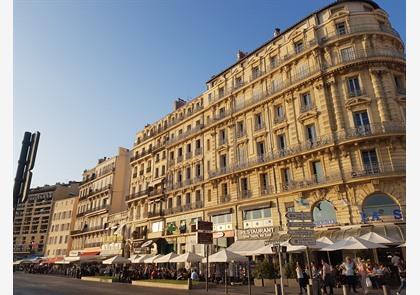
column 312, row 120
column 62, row 221
column 101, row 194
column 33, row 217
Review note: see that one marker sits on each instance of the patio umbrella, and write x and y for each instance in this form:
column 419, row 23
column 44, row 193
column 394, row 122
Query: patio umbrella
column 402, row 245
column 225, row 256
column 352, row 243
column 327, row 241
column 293, row 248
column 166, row 258
column 152, row 259
column 187, row 257
column 141, row 258
column 377, row 238
column 117, row 260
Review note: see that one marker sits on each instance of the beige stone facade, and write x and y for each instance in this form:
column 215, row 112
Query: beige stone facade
column 62, row 220
column 312, row 120
column 33, row 218
column 101, row 194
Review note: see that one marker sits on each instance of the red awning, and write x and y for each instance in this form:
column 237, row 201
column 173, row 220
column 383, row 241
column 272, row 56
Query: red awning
column 52, row 260
column 92, row 253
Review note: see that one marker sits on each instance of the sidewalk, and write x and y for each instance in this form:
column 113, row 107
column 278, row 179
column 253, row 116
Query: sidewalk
column 243, row 290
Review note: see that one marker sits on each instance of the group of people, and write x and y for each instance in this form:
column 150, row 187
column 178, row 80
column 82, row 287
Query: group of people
column 354, row 274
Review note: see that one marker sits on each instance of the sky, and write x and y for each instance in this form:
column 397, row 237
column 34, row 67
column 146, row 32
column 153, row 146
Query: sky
column 89, row 74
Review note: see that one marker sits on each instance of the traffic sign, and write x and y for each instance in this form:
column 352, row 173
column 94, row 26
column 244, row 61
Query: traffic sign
column 204, row 226
column 300, row 224
column 204, row 238
column 299, row 215
column 301, row 232
column 302, row 241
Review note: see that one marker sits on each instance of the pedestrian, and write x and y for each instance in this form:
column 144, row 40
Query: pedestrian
column 194, row 275
column 327, row 278
column 349, row 267
column 401, row 272
column 301, row 278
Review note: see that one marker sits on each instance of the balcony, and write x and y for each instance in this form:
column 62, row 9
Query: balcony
column 171, row 162
column 93, row 192
column 373, row 129
column 179, row 159
column 198, row 151
column 95, row 209
column 240, row 133
column 244, row 194
column 308, row 107
column 267, row 190
column 279, row 119
column 185, row 134
column 188, row 155
column 356, row 93
column 136, row 195
column 375, row 170
column 401, row 91
column 259, row 127
column 223, row 141
column 154, row 214
column 256, row 74
column 225, row 198
column 156, row 192
column 92, row 245
column 310, row 182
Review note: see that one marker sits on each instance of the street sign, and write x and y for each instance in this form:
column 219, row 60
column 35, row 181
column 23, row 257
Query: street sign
column 299, row 215
column 204, row 238
column 204, row 226
column 300, row 224
column 301, row 232
column 302, row 241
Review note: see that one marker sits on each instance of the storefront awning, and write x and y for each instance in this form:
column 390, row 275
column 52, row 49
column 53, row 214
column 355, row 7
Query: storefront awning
column 220, row 212
column 246, row 247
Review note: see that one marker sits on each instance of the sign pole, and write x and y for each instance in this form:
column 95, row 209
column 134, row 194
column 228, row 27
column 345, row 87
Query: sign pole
column 281, row 269
column 207, row 267
column 249, row 276
column 310, row 271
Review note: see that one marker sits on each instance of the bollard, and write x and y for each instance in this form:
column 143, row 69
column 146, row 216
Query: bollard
column 386, row 290
column 277, row 289
column 189, row 284
column 346, row 289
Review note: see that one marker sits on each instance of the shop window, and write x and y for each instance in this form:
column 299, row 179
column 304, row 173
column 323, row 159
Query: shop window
column 380, row 207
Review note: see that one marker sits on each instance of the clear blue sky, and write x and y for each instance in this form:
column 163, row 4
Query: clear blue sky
column 89, row 74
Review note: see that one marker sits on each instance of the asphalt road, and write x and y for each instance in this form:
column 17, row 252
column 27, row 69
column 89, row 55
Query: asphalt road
column 33, row 284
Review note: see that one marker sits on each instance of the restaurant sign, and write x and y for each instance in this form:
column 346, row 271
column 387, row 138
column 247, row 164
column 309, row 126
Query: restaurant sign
column 255, row 233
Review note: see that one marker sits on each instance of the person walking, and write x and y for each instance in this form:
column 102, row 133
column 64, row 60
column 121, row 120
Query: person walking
column 301, row 278
column 348, row 267
column 401, row 272
column 327, row 278
column 362, row 271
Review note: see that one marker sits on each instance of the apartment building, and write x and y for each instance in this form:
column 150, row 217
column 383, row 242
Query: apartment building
column 32, row 219
column 312, row 120
column 62, row 220
column 102, row 193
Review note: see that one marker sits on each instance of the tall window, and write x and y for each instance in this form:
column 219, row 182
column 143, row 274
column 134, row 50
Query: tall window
column 285, row 174
column 353, row 86
column 224, row 189
column 311, row 133
column 281, row 142
column 370, row 161
column 279, row 112
column 258, row 121
column 255, row 72
column 264, row 183
column 221, row 92
column 317, row 171
column 198, row 170
column 198, row 196
column 241, row 153
column 361, row 122
column 244, row 184
column 223, row 161
column 222, row 137
column 298, row 46
column 260, row 150
column 340, row 28
column 240, row 129
column 347, row 54
column 222, row 112
column 187, row 198
column 306, row 102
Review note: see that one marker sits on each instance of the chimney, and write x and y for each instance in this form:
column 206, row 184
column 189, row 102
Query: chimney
column 240, row 55
column 179, row 102
column 276, row 32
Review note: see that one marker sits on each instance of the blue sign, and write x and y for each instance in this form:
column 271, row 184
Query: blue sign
column 376, row 215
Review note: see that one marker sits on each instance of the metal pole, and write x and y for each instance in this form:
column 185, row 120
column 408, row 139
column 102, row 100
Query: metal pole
column 249, row 276
column 207, row 267
column 310, row 271
column 226, row 283
column 329, row 259
column 281, row 270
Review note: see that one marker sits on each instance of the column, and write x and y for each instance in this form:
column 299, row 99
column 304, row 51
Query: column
column 325, row 120
column 379, row 95
column 291, row 118
column 339, row 117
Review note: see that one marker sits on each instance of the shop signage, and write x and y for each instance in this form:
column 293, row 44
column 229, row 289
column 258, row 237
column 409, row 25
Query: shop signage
column 301, row 232
column 300, row 224
column 146, row 244
column 299, row 215
column 255, row 233
column 218, row 235
column 204, row 237
column 204, row 225
column 378, row 216
column 302, row 241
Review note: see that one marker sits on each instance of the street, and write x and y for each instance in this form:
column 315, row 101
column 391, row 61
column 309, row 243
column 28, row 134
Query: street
column 34, row 284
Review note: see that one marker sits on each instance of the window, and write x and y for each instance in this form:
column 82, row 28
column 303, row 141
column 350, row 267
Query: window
column 285, row 174
column 260, row 149
column 221, row 92
column 278, row 113
column 353, row 86
column 241, row 153
column 244, row 184
column 259, row 124
column 221, row 219
column 156, row 172
column 208, row 144
column 257, row 214
column 198, row 196
column 306, row 102
column 317, row 172
column 188, row 173
column 290, row 206
column 222, row 112
column 361, row 122
column 209, row 97
column 264, row 184
column 169, row 203
column 178, row 201
column 224, row 189
column 370, row 161
column 198, row 170
column 255, row 72
column 311, row 133
column 340, row 28
column 399, row 84
column 281, row 142
column 223, row 161
column 209, row 195
column 298, row 46
column 163, row 170
column 238, row 82
column 347, row 54
column 273, row 62
column 157, row 226
column 240, row 129
column 222, row 137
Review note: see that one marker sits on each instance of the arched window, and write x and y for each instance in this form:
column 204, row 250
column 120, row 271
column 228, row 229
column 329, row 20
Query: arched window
column 324, row 213
column 380, row 207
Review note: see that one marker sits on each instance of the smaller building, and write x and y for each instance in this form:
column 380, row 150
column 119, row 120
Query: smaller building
column 63, row 217
column 114, row 238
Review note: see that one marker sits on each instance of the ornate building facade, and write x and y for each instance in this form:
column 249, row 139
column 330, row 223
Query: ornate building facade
column 312, row 120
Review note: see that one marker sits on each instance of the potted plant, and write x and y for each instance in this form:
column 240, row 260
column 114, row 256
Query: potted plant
column 290, row 274
column 264, row 274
